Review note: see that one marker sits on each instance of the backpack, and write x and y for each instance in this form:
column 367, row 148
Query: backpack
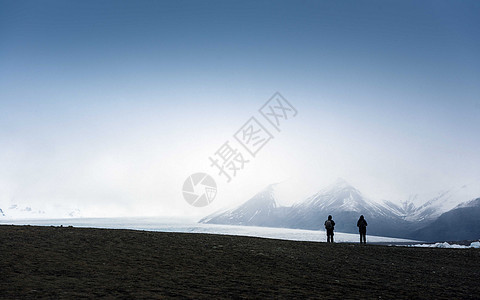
column 362, row 224
column 328, row 225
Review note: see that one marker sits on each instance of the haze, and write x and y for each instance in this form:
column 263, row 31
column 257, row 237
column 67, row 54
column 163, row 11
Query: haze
column 107, row 107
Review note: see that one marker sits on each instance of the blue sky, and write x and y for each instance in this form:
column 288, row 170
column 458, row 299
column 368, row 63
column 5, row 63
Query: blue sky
column 110, row 105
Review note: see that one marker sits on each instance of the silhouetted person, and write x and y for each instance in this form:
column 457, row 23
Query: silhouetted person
column 329, row 226
column 362, row 228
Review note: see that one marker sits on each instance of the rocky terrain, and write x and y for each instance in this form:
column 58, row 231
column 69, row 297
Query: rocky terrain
column 67, row 262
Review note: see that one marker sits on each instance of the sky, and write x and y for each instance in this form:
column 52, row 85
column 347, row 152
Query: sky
column 109, row 106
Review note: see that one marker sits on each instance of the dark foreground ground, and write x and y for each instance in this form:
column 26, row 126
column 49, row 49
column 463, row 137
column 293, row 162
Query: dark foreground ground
column 54, row 262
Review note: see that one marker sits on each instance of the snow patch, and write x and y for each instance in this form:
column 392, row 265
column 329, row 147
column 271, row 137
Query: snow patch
column 447, row 245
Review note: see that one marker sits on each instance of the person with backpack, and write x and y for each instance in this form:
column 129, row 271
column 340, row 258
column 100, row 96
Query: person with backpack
column 362, row 228
column 329, row 226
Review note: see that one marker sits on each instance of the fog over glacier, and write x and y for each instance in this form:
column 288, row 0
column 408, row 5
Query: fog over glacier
column 106, row 111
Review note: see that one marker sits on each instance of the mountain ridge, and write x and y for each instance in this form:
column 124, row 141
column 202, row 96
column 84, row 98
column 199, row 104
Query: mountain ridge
column 345, row 203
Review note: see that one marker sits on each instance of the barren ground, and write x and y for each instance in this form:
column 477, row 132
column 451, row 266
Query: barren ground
column 66, row 262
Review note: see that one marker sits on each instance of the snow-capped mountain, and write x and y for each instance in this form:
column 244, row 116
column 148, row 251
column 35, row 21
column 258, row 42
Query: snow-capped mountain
column 16, row 211
column 404, row 209
column 261, row 210
column 450, row 199
column 431, row 209
column 460, row 223
column 345, row 203
column 340, row 199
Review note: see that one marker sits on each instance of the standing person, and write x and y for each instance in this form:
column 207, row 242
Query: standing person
column 329, row 226
column 362, row 228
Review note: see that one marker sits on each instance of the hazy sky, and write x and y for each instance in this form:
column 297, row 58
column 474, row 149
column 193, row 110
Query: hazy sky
column 108, row 106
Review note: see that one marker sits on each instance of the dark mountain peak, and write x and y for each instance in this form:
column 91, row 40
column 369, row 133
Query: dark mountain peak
column 460, row 223
column 471, row 203
column 260, row 210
